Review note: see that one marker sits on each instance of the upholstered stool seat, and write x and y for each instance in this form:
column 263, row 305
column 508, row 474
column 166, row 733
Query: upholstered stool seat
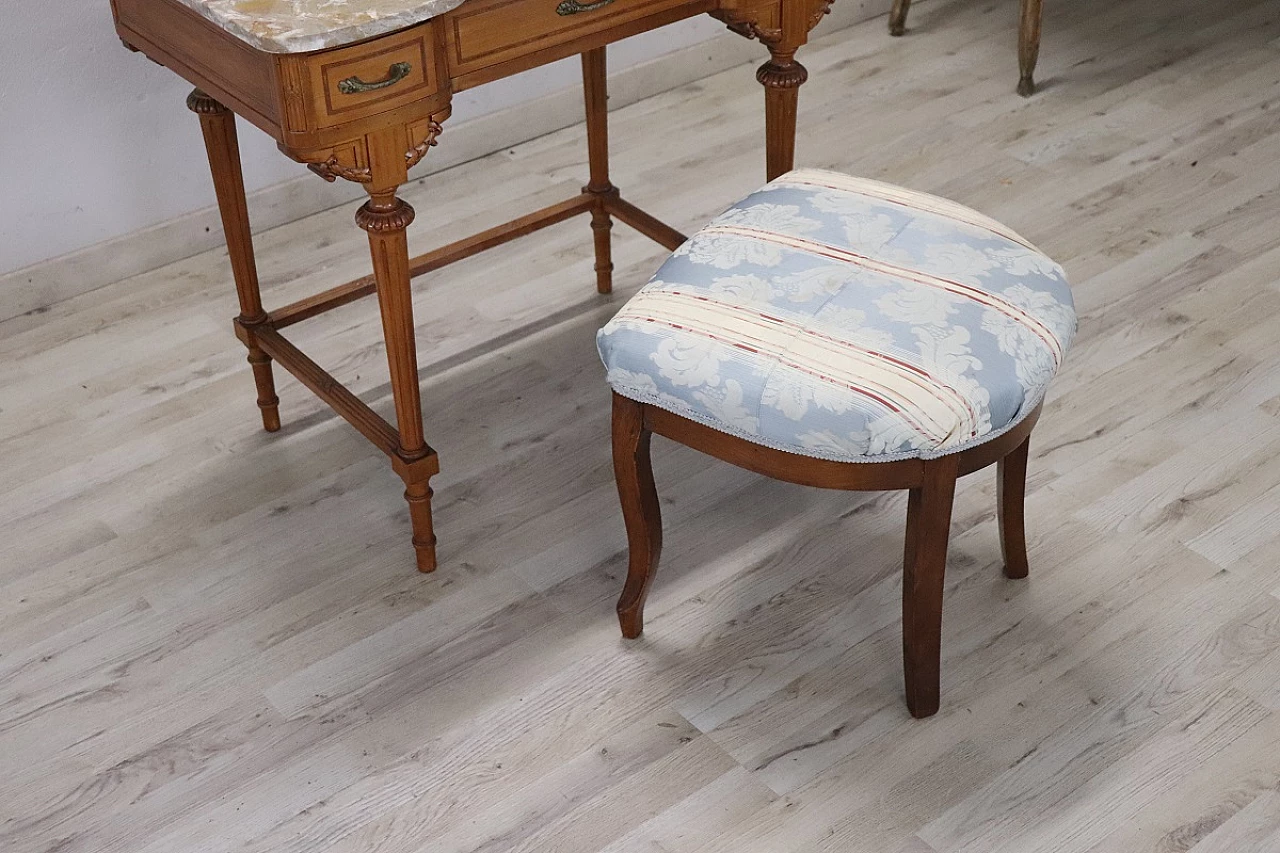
column 846, row 319
column 831, row 320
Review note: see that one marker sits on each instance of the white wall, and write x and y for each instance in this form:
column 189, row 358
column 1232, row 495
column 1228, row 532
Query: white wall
column 103, row 168
column 95, row 141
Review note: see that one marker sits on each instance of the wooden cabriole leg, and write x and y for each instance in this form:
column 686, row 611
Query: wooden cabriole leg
column 595, row 89
column 931, row 485
column 898, row 17
column 219, row 127
column 1011, row 491
column 1030, row 16
column 924, row 568
column 640, row 511
column 781, row 77
column 385, row 217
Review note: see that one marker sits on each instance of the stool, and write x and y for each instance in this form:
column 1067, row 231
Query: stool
column 846, row 334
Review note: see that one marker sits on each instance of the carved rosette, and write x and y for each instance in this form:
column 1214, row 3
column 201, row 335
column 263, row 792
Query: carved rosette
column 376, row 218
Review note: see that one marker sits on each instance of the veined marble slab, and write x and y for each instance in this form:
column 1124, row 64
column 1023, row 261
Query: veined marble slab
column 299, row 26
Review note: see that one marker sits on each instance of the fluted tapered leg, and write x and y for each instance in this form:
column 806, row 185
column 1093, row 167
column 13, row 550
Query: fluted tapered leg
column 595, row 89
column 218, row 125
column 385, row 217
column 781, row 77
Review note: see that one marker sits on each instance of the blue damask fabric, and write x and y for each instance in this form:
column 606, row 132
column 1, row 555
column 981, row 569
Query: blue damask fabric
column 846, row 319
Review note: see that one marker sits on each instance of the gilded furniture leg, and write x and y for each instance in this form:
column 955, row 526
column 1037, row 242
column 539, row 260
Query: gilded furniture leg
column 385, row 217
column 595, row 89
column 640, row 510
column 1011, row 491
column 781, row 77
column 898, row 17
column 1030, row 17
column 219, row 127
column 924, row 565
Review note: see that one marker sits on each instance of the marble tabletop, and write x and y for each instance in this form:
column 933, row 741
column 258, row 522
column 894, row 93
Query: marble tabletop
column 298, row 26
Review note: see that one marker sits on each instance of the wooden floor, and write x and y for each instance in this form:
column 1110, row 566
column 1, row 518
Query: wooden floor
column 213, row 639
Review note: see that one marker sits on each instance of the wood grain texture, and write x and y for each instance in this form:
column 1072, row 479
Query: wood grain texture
column 924, row 572
column 1011, row 490
column 931, row 484
column 208, row 639
column 633, row 470
column 370, row 111
column 595, row 87
column 325, row 71
column 1030, row 16
column 218, row 125
column 488, row 32
column 386, row 217
column 237, row 75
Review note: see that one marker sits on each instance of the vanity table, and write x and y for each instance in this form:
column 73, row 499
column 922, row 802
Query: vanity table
column 359, row 90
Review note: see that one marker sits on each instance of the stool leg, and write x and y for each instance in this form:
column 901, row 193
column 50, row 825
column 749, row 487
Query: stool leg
column 1011, row 491
column 595, row 89
column 219, row 127
column 924, row 567
column 1030, row 17
column 639, row 497
column 898, row 17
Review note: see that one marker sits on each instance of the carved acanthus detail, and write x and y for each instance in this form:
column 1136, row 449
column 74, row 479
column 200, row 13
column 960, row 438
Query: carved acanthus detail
column 331, row 170
column 823, row 9
column 333, row 167
column 745, row 22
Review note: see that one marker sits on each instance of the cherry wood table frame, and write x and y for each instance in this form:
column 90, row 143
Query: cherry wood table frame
column 931, row 484
column 323, row 109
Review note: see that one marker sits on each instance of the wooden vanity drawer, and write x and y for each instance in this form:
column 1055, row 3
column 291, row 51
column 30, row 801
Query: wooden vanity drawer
column 486, row 32
column 365, row 79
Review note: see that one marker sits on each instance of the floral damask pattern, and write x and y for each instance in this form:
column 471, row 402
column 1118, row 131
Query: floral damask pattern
column 849, row 320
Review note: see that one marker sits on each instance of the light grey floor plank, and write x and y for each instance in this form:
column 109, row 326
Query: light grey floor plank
column 212, row 639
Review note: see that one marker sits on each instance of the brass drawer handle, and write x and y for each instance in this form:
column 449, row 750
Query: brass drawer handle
column 396, row 73
column 573, row 7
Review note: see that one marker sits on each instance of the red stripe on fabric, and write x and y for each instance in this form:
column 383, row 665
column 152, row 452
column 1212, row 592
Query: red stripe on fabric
column 931, row 386
column 836, row 253
column 857, row 389
column 934, row 383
